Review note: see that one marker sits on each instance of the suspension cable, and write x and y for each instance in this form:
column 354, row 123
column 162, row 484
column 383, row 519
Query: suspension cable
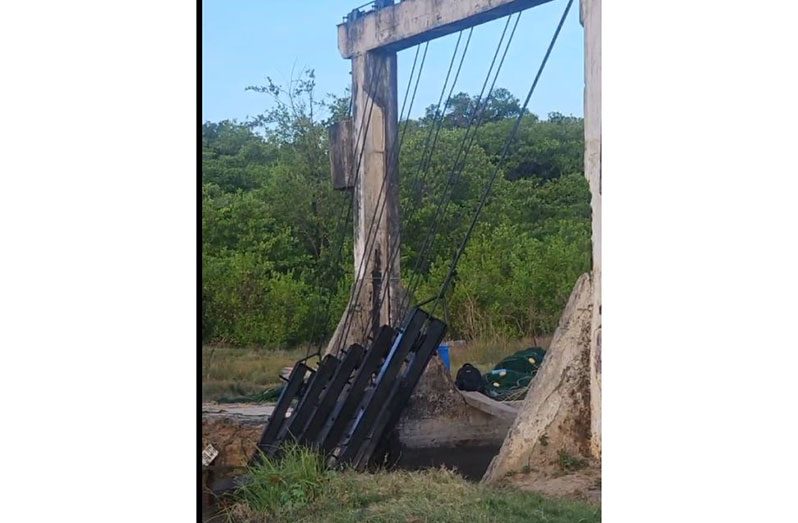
column 347, row 211
column 461, row 161
column 376, row 218
column 373, row 226
column 478, row 110
column 357, row 287
column 489, row 186
column 437, row 123
column 453, row 176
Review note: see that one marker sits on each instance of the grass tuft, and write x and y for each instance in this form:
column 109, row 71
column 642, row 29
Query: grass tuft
column 569, row 462
column 279, row 485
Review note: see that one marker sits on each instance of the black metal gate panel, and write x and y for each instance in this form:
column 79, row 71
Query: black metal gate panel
column 352, row 360
column 268, row 439
column 306, row 406
column 377, row 396
column 349, row 401
column 400, row 393
column 348, row 406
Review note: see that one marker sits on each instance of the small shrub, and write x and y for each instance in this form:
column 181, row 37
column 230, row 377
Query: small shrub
column 288, row 483
column 569, row 462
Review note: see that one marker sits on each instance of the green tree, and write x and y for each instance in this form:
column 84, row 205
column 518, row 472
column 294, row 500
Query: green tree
column 275, row 251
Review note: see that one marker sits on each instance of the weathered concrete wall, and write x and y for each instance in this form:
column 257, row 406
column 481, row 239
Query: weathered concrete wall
column 555, row 416
column 412, row 22
column 438, row 415
column 591, row 19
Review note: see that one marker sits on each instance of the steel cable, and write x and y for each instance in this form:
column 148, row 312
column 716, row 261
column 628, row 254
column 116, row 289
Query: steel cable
column 489, row 186
column 460, row 160
column 357, row 287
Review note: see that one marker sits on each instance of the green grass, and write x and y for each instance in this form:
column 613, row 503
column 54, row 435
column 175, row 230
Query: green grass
column 298, row 489
column 282, row 485
column 228, row 372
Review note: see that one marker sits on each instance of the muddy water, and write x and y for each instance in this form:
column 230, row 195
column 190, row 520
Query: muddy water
column 471, row 461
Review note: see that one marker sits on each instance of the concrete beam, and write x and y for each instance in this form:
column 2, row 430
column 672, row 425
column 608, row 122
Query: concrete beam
column 412, row 22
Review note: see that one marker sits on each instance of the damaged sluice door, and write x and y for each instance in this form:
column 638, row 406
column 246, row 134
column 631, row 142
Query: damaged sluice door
column 347, row 407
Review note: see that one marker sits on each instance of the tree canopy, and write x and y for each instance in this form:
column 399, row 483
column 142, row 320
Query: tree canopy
column 275, row 251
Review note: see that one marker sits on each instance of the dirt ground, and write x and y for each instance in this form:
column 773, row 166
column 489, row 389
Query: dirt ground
column 582, row 485
column 233, row 430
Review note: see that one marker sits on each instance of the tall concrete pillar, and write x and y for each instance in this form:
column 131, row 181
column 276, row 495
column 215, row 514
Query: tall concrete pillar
column 376, row 198
column 591, row 20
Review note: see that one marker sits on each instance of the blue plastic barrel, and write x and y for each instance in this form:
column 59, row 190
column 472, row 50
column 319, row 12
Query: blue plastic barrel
column 443, row 354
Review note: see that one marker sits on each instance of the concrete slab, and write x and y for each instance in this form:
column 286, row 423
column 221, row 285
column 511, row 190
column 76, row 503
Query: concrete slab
column 259, row 410
column 503, row 410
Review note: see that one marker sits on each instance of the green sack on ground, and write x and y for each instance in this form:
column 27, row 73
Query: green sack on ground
column 517, row 364
column 534, row 355
column 504, row 379
column 513, row 373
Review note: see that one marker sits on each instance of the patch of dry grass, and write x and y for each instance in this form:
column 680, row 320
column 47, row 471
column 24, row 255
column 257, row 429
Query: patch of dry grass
column 240, row 372
column 228, row 372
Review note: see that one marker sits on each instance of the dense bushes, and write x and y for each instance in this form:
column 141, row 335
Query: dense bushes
column 267, row 261
column 271, row 235
column 510, row 284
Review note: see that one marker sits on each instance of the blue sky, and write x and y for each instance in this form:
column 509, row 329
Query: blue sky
column 243, row 41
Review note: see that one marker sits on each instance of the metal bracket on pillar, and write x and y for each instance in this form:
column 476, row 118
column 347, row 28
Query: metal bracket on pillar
column 341, row 154
column 353, row 15
column 376, row 288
